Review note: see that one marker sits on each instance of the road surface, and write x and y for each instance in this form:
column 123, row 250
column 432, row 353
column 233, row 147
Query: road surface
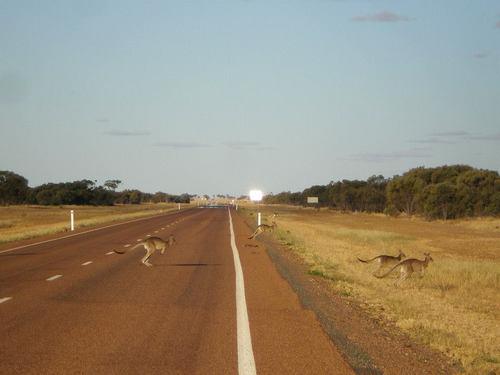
column 74, row 306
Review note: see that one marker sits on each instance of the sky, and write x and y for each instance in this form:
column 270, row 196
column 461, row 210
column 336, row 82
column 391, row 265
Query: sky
column 217, row 97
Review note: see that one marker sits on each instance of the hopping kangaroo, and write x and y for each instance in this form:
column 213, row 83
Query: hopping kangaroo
column 264, row 228
column 152, row 244
column 385, row 260
column 408, row 266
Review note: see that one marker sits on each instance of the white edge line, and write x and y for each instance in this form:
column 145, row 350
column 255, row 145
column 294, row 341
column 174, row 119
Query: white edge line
column 89, row 231
column 86, row 263
column 5, row 299
column 246, row 361
column 53, row 277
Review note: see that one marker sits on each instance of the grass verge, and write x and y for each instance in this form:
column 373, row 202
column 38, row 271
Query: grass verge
column 454, row 308
column 25, row 222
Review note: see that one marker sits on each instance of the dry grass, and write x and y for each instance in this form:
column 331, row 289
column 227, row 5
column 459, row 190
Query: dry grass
column 23, row 222
column 454, row 308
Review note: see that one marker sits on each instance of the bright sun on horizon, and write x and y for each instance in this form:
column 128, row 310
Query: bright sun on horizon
column 256, row 195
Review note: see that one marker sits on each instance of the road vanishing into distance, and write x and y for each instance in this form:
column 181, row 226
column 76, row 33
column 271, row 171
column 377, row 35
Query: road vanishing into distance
column 209, row 305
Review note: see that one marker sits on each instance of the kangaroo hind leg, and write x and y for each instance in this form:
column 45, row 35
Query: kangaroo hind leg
column 404, row 275
column 149, row 252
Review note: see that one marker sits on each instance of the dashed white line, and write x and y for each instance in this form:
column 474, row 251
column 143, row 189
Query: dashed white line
column 127, row 245
column 148, row 235
column 5, row 299
column 139, row 239
column 53, row 277
column 86, row 263
column 156, row 231
column 110, row 253
column 246, row 361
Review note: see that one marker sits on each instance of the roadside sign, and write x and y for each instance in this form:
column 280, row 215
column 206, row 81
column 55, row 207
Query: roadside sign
column 312, row 200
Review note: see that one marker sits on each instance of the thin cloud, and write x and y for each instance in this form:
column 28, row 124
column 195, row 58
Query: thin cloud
column 126, row 133
column 481, row 55
column 431, row 141
column 265, row 148
column 179, row 145
column 385, row 16
column 390, row 156
column 491, row 137
column 458, row 133
column 241, row 145
column 102, row 119
column 238, row 145
column 464, row 136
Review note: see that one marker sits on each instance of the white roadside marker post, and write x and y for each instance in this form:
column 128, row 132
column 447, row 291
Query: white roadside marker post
column 258, row 219
column 72, row 220
column 179, row 206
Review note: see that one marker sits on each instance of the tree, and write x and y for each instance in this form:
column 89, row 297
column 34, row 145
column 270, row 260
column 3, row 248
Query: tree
column 440, row 200
column 160, row 197
column 183, row 198
column 112, row 184
column 13, row 188
column 404, row 192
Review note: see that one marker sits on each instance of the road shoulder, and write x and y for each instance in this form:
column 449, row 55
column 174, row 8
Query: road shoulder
column 287, row 338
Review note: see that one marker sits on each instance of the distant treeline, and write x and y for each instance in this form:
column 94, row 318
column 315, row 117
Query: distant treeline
column 14, row 189
column 445, row 192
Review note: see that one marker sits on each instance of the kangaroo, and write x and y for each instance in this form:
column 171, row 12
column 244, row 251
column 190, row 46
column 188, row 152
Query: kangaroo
column 385, row 260
column 408, row 266
column 152, row 244
column 263, row 228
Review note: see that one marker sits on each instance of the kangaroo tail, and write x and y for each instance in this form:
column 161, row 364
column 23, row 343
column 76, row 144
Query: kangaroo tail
column 388, row 272
column 368, row 260
column 132, row 248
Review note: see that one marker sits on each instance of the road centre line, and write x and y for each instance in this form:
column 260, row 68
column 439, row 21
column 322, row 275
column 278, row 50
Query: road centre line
column 79, row 234
column 5, row 299
column 246, row 361
column 86, row 263
column 110, row 253
column 53, row 277
column 139, row 239
column 127, row 245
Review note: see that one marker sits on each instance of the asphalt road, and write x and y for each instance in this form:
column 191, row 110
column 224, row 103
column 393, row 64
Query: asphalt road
column 73, row 306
